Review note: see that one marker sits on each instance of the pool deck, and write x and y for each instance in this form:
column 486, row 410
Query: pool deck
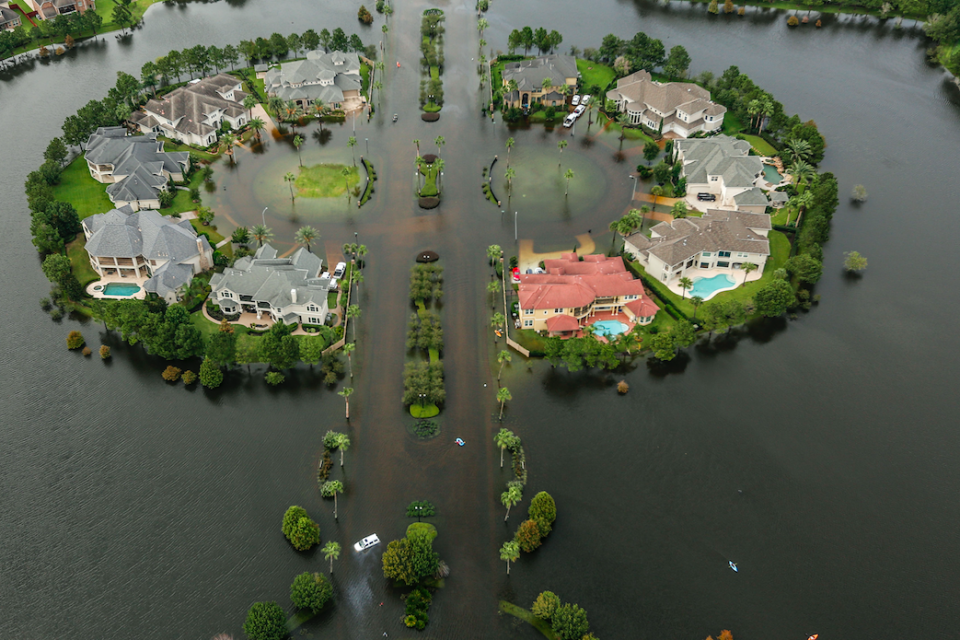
column 139, row 295
column 600, row 317
column 734, row 274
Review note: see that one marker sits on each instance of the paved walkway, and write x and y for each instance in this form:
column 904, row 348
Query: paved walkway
column 259, row 112
column 528, row 259
column 251, row 321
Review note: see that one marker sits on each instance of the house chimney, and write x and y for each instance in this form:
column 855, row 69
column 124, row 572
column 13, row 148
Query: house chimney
column 293, row 296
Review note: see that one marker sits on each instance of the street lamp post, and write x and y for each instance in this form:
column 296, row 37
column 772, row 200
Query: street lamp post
column 515, row 225
column 367, row 141
column 634, row 178
column 263, row 216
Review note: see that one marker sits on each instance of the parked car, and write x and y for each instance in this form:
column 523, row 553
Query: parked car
column 579, row 111
column 706, row 197
column 340, row 270
column 575, row 101
column 515, row 274
column 569, row 120
column 584, row 99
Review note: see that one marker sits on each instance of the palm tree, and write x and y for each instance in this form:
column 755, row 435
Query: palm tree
column 591, row 105
column 356, row 277
column 504, row 438
column 348, row 349
column 290, row 109
column 509, row 552
column 331, row 552
column 679, row 209
column 503, row 394
column 332, row 488
column 798, row 149
column 766, row 111
column 352, row 142
column 379, row 87
column 546, row 83
column 227, row 141
column 421, row 171
column 439, row 142
column 510, row 143
column 360, row 253
column 276, row 105
column 318, row 108
column 350, row 249
column 800, row 170
column 623, row 120
column 298, row 142
column 503, row 357
column 493, row 288
column 803, row 201
column 747, row 267
column 685, row 283
column 567, row 174
column 249, row 102
column 510, row 497
column 562, row 144
column 493, row 253
column 497, row 321
column 347, row 391
column 416, row 141
column 345, row 172
column 481, row 25
column 289, row 178
column 753, row 109
column 258, row 125
column 261, row 233
column 509, row 174
column 696, row 301
column 306, row 236
column 438, row 165
column 343, row 443
column 353, row 311
column 656, row 191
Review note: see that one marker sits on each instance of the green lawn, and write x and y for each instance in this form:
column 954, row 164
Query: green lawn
column 182, row 201
column 529, row 339
column 731, row 124
column 519, row 612
column 594, row 73
column 760, row 145
column 325, row 180
column 779, row 252
column 364, row 79
column 214, row 235
column 430, row 187
column 422, row 527
column 429, row 410
column 431, row 107
column 81, row 261
column 208, row 328
column 173, row 145
column 85, row 194
column 630, row 133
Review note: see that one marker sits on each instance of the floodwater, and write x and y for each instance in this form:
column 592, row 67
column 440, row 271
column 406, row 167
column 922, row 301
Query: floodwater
column 819, row 454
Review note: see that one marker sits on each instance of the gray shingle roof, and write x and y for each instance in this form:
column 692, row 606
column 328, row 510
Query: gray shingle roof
column 140, row 158
column 529, row 74
column 674, row 242
column 301, row 80
column 168, row 278
column 719, row 156
column 751, row 197
column 188, row 106
column 266, row 278
column 123, row 233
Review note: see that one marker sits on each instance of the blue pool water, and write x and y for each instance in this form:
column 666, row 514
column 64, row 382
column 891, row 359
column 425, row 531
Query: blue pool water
column 706, row 287
column 120, row 289
column 771, row 175
column 610, row 327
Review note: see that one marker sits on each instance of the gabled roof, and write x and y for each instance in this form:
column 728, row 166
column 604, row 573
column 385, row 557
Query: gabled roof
column 123, row 233
column 674, row 242
column 529, row 74
column 140, row 158
column 639, row 91
column 570, row 283
column 300, row 80
column 751, row 197
column 7, row 14
column 266, row 278
column 719, row 156
column 188, row 106
column 562, row 323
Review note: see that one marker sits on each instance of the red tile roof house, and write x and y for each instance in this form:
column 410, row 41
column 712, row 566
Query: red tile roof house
column 573, row 294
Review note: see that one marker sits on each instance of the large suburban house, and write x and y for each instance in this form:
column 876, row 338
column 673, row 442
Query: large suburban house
column 529, row 76
column 50, row 9
column 571, row 292
column 331, row 77
column 194, row 113
column 724, row 240
column 157, row 252
column 722, row 166
column 285, row 289
column 682, row 108
column 136, row 167
column 9, row 18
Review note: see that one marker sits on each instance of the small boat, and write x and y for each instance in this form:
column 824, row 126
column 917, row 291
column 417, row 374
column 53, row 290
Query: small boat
column 814, row 636
column 394, row 117
column 733, row 565
column 460, row 441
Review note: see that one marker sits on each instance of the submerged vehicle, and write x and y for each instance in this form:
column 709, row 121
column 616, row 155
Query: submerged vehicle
column 370, row 541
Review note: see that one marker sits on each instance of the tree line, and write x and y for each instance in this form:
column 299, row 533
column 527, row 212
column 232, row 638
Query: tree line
column 527, row 38
column 640, row 52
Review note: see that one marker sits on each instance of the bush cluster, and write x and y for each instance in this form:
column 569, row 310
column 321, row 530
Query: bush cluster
column 299, row 529
column 417, row 604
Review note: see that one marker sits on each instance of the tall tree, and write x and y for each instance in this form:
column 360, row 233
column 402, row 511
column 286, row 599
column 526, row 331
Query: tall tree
column 330, row 489
column 306, row 236
column 331, row 552
column 510, row 142
column 503, row 394
column 567, row 174
column 345, row 393
column 685, row 284
column 509, row 552
column 503, row 439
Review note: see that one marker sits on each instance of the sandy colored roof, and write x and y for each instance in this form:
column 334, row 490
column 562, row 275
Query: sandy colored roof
column 674, row 242
column 640, row 88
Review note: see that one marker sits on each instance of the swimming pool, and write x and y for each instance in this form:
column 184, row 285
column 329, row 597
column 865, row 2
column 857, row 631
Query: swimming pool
column 120, row 289
column 610, row 327
column 771, row 175
column 706, row 287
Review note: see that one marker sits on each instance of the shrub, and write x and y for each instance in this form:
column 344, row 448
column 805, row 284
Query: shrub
column 171, row 374
column 299, row 529
column 622, row 387
column 75, row 340
column 528, row 535
column 274, row 378
column 426, row 428
column 570, row 622
column 323, row 469
column 105, row 352
column 543, row 508
column 310, row 591
column 87, row 351
column 188, row 377
column 364, row 16
column 210, row 374
column 792, row 21
column 265, row 621
column 545, row 605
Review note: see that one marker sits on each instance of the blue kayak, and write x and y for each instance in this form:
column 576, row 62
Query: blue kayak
column 733, row 565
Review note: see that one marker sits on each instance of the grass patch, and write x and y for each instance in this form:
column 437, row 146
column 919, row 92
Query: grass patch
column 423, row 527
column 208, row 328
column 529, row 339
column 779, row 252
column 80, row 261
column 213, row 235
column 760, row 145
column 364, row 77
column 182, row 201
column 732, row 124
column 630, row 133
column 172, row 145
column 428, row 411
column 79, row 189
column 332, row 300
column 326, row 180
column 431, row 107
column 594, row 73
column 519, row 612
column 431, row 187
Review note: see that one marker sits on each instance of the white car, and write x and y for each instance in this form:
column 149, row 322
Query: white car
column 579, row 111
column 569, row 120
column 340, row 270
column 575, row 101
column 370, row 541
column 584, row 99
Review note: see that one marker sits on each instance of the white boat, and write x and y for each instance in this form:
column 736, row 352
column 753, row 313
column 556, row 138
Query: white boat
column 370, row 541
column 733, row 565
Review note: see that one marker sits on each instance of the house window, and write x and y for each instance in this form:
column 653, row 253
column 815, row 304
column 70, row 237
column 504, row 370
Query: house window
column 528, row 323
column 723, row 254
column 704, row 265
column 713, row 178
column 544, row 313
column 706, row 254
column 312, row 308
column 723, row 264
column 528, row 312
column 556, row 311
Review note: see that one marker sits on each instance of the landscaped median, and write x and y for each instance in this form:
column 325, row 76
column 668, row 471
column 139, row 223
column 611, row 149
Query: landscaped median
column 423, row 390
